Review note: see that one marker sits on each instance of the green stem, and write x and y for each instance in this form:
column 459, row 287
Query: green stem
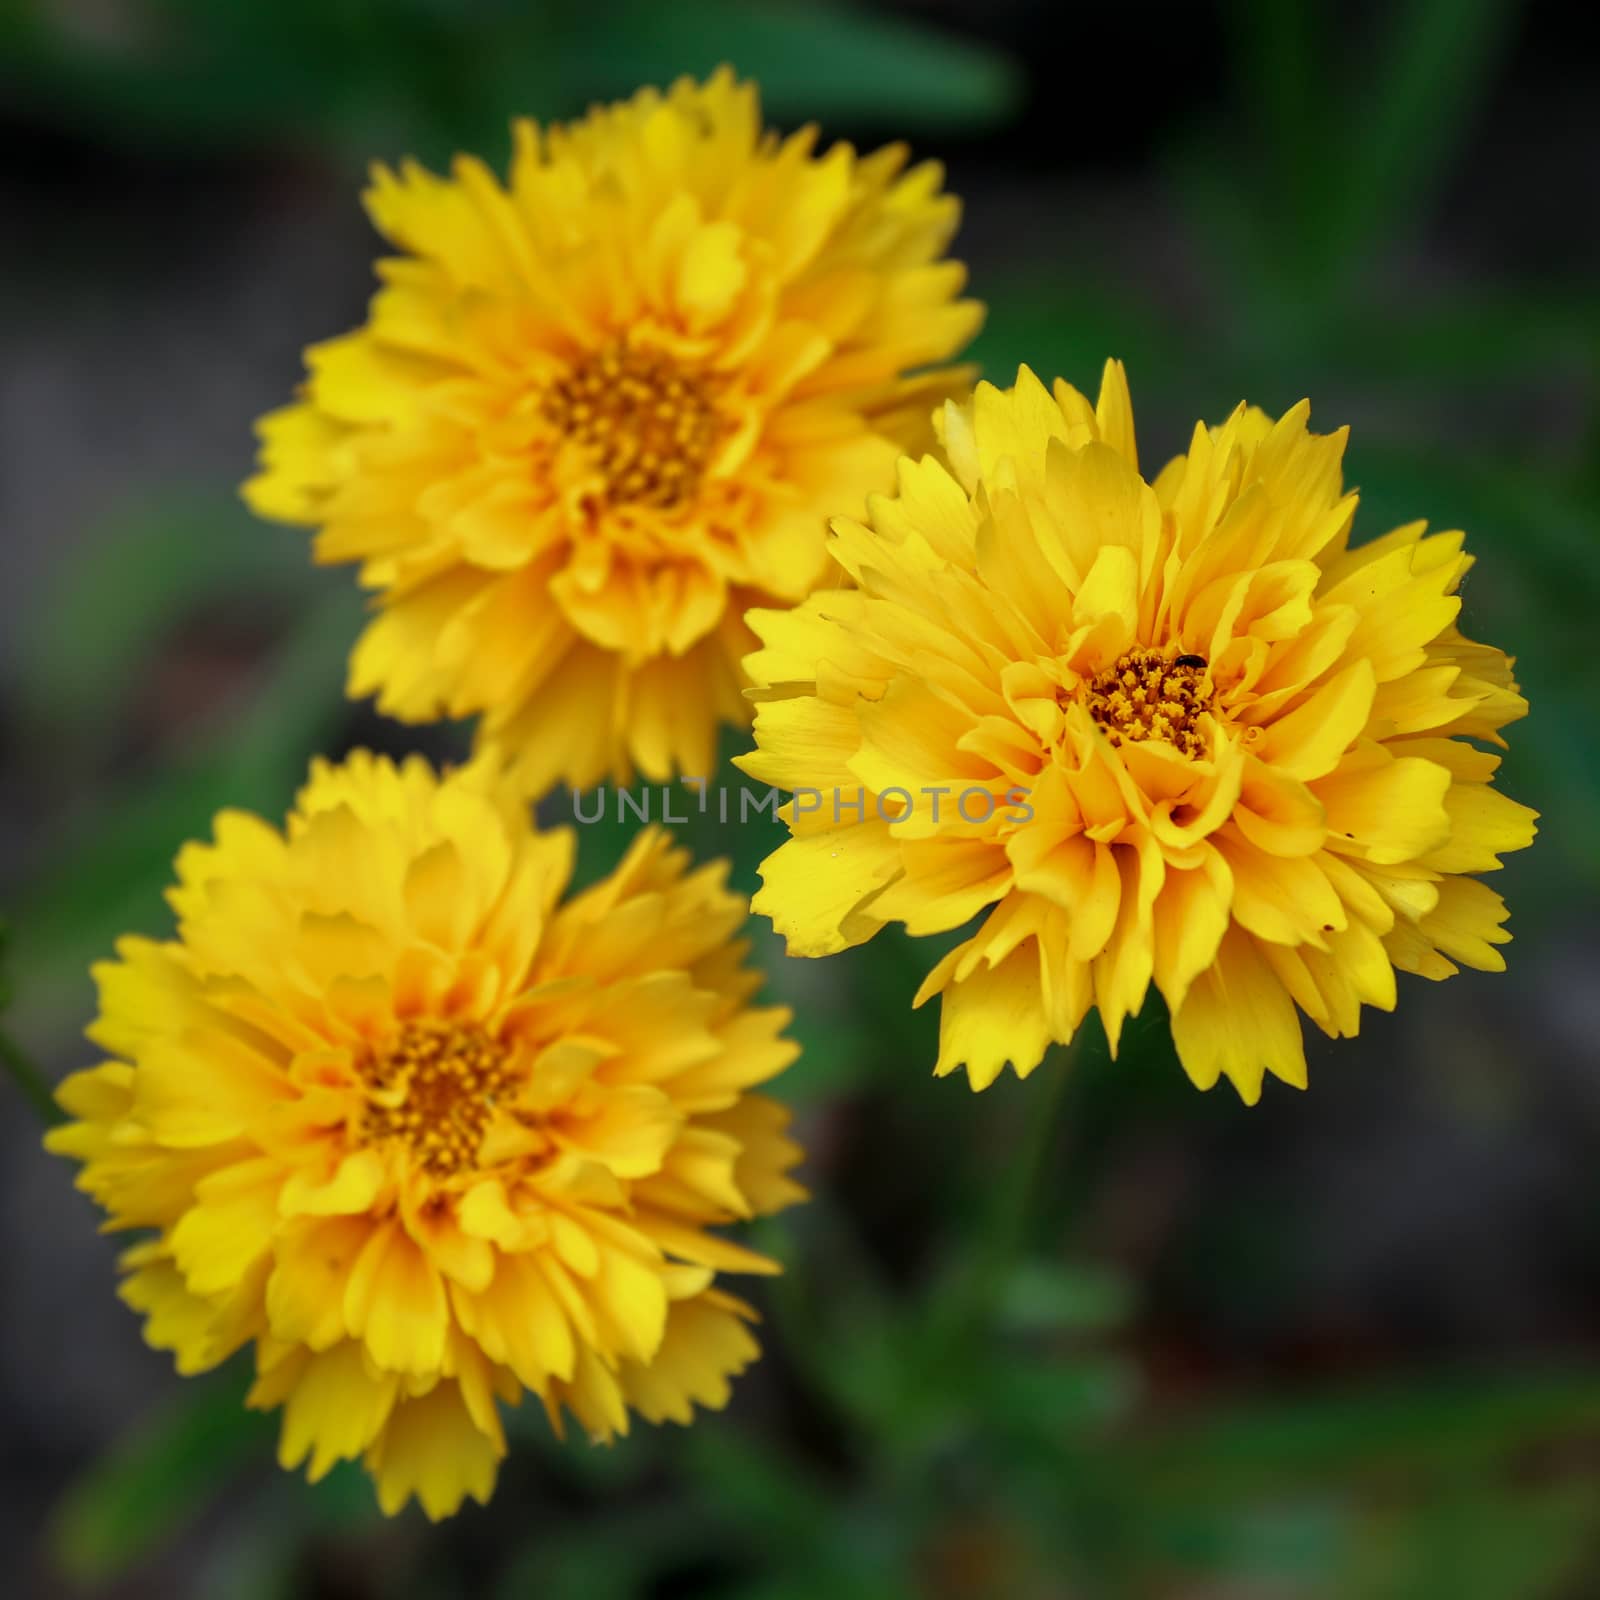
column 1002, row 1239
column 29, row 1079
column 1008, row 1225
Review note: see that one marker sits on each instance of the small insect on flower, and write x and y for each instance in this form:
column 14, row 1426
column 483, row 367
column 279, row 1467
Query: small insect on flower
column 427, row 1136
column 599, row 411
column 1246, row 745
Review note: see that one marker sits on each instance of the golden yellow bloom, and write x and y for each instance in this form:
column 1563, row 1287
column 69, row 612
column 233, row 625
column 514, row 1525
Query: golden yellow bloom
column 1182, row 731
column 598, row 413
column 428, row 1138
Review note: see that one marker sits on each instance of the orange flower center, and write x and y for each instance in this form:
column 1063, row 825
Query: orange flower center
column 646, row 423
column 1144, row 695
column 433, row 1087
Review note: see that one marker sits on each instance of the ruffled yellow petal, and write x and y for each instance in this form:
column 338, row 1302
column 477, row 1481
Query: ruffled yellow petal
column 1213, row 745
column 429, row 1137
column 431, row 1449
column 600, row 411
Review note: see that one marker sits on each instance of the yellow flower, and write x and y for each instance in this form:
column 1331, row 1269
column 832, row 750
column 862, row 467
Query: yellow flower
column 1183, row 732
column 598, row 413
column 428, row 1138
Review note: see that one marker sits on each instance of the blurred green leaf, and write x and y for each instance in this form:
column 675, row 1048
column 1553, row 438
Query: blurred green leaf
column 576, row 1462
column 342, row 1501
column 1478, row 1540
column 1346, row 156
column 172, row 71
column 1487, row 1543
column 753, row 1484
column 1431, row 1423
column 1058, row 1398
column 30, row 1082
column 1051, row 1297
column 808, row 1533
column 1271, row 1541
column 1067, row 326
column 576, row 1565
column 16, row 1063
column 1432, row 69
column 372, row 78
column 157, row 1479
column 268, row 1553
column 108, row 875
column 1279, row 57
column 813, row 59
column 129, row 586
column 1543, row 333
column 848, row 1344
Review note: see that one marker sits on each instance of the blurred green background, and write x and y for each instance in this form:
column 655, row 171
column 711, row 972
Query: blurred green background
column 1346, row 1344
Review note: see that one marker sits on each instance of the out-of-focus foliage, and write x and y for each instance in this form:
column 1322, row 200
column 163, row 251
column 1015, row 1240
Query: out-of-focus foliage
column 13, row 1060
column 118, row 636
column 152, row 1482
column 956, row 1400
column 363, row 77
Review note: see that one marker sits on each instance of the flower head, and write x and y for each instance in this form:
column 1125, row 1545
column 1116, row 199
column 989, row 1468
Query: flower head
column 597, row 413
column 1177, row 731
column 428, row 1137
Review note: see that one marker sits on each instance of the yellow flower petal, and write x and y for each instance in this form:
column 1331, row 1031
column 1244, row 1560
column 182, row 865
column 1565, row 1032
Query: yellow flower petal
column 432, row 1449
column 819, row 890
column 1238, row 1022
column 1230, row 744
column 600, row 410
column 337, row 1406
column 428, row 1137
